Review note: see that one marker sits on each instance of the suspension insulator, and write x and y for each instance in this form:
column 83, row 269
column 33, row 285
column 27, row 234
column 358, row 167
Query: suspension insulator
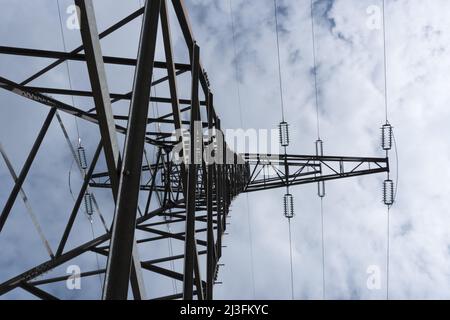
column 284, row 133
column 319, row 148
column 320, row 184
column 386, row 137
column 82, row 157
column 88, row 206
column 321, row 189
column 388, row 192
column 288, row 206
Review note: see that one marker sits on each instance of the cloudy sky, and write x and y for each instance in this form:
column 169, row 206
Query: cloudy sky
column 349, row 46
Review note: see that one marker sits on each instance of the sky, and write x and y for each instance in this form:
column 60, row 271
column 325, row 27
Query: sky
column 351, row 88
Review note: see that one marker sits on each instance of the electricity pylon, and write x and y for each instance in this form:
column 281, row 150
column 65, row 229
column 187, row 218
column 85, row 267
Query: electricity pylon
column 195, row 196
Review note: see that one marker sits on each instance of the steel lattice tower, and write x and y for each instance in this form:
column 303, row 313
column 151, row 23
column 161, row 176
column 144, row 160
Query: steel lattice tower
column 196, row 197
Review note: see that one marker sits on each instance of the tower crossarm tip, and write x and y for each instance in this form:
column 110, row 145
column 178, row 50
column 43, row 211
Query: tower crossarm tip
column 268, row 171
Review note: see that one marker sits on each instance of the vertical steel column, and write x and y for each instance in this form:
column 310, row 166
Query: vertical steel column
column 211, row 255
column 171, row 74
column 26, row 167
column 189, row 245
column 225, row 186
column 122, row 238
column 185, row 24
column 99, row 84
column 219, row 187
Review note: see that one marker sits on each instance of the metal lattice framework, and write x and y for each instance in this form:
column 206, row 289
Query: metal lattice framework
column 196, row 197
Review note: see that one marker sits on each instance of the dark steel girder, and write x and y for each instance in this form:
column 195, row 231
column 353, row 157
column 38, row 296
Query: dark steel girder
column 82, row 57
column 99, row 85
column 122, row 239
column 71, row 254
column 43, row 99
column 25, row 169
column 190, row 249
column 103, row 34
column 118, row 96
column 320, row 168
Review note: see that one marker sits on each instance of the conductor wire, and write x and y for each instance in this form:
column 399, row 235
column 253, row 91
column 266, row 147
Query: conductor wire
column 316, row 88
column 316, row 95
column 68, row 68
column 238, row 91
column 279, row 59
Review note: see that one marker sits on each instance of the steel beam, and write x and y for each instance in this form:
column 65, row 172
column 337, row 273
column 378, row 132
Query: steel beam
column 50, row 264
column 170, row 65
column 99, row 84
column 38, row 292
column 190, row 246
column 186, row 28
column 119, row 260
column 211, row 254
column 105, row 33
column 25, row 169
column 114, row 96
column 78, row 201
column 27, row 52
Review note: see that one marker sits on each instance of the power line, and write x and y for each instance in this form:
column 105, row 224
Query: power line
column 96, row 256
column 91, row 198
column 68, row 68
column 155, row 106
column 387, row 253
column 284, row 140
column 386, row 106
column 385, row 64
column 279, row 59
column 250, row 235
column 290, row 257
column 323, row 248
column 158, row 129
column 238, row 90
column 316, row 90
column 236, row 65
column 386, row 114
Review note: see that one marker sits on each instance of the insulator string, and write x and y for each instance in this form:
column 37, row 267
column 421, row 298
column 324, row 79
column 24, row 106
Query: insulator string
column 91, row 197
column 386, row 105
column 318, row 152
column 284, row 140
